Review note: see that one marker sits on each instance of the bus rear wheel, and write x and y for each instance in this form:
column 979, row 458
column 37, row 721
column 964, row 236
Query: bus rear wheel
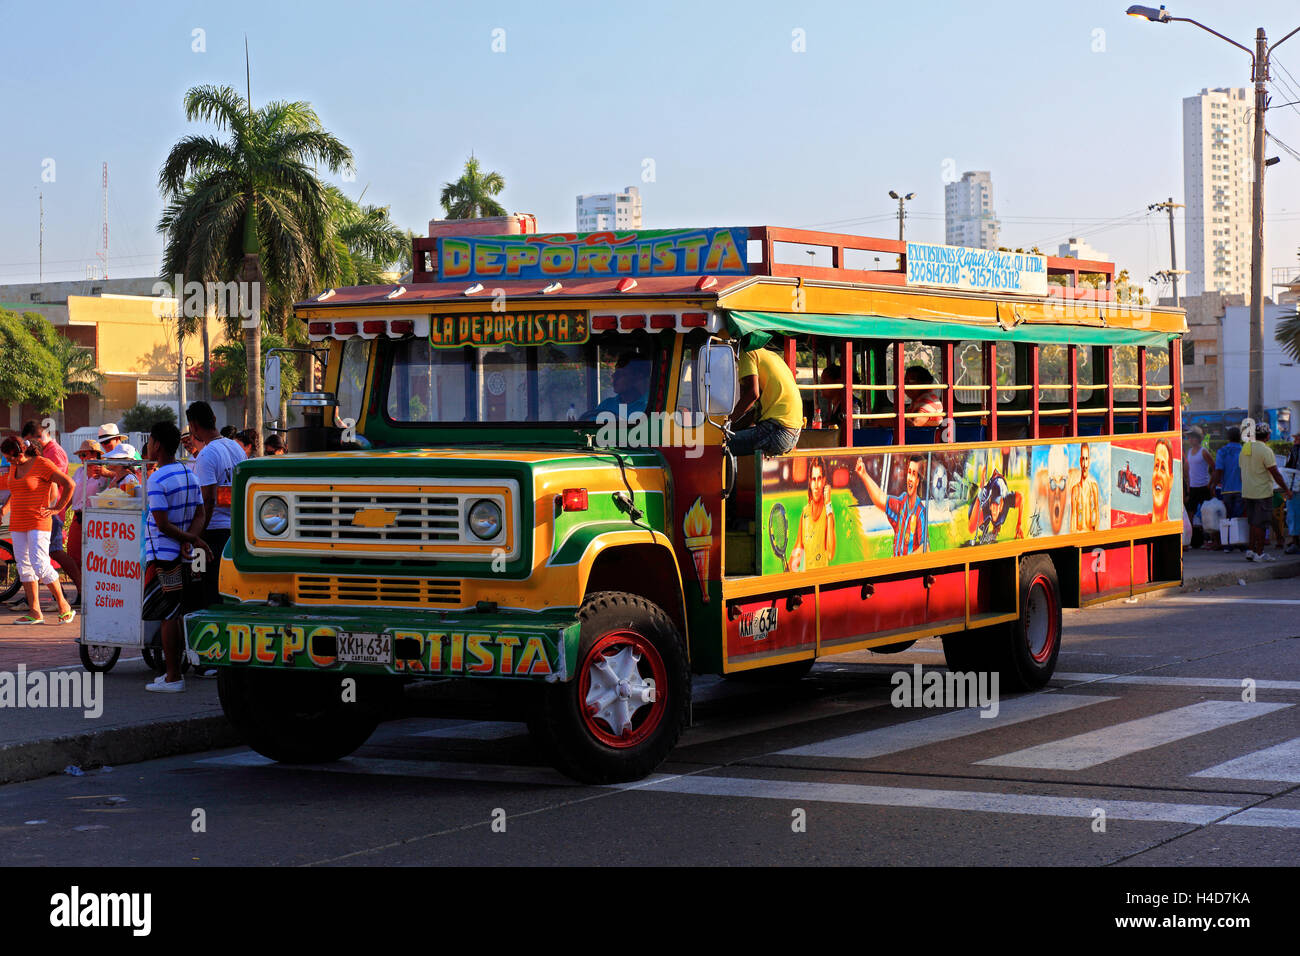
column 621, row 714
column 1024, row 651
column 299, row 718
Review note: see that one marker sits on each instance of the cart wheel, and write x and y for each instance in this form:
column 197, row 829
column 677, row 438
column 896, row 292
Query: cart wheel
column 98, row 657
column 153, row 657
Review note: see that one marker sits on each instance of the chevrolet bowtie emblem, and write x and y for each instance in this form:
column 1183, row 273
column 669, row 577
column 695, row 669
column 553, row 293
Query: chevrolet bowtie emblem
column 373, row 518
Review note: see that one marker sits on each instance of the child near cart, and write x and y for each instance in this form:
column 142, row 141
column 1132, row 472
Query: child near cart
column 174, row 501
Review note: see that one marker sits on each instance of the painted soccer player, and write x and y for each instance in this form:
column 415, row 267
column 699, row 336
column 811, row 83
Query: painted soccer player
column 993, row 500
column 906, row 513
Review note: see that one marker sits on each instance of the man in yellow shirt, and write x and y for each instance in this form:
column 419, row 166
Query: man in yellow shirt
column 766, row 379
column 1258, row 473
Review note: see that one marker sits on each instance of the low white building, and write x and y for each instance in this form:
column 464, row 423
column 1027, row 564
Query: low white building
column 1281, row 372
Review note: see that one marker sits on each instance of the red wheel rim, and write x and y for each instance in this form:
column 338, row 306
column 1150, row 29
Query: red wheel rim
column 1041, row 612
column 621, row 654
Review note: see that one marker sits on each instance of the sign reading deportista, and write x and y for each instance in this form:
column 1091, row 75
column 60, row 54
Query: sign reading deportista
column 486, row 329
column 978, row 270
column 644, row 253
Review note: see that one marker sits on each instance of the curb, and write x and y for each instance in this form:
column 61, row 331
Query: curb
column 1248, row 572
column 30, row 760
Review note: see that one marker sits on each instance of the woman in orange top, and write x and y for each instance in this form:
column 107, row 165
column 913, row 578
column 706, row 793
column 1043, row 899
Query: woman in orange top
column 29, row 483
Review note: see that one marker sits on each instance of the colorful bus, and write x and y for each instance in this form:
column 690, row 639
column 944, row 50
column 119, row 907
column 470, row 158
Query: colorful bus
column 522, row 478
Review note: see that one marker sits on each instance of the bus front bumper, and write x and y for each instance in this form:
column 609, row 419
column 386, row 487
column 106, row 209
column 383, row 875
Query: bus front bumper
column 391, row 641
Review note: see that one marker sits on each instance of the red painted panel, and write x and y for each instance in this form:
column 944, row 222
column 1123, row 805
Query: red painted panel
column 947, row 598
column 1103, row 569
column 892, row 605
column 751, row 633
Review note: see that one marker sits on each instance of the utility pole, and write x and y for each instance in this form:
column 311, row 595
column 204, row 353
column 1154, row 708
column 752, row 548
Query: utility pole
column 1260, row 69
column 901, row 215
column 1169, row 205
column 1259, row 75
column 40, row 268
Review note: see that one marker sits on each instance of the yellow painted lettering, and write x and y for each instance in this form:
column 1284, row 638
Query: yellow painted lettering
column 241, row 643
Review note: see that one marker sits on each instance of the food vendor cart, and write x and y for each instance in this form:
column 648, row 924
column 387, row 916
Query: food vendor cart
column 112, row 579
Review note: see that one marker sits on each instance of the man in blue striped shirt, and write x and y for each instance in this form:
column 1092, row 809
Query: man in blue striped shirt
column 175, row 502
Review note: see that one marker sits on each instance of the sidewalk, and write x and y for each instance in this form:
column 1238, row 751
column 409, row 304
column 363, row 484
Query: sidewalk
column 136, row 725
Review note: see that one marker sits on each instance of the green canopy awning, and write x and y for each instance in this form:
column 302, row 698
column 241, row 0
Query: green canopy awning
column 757, row 328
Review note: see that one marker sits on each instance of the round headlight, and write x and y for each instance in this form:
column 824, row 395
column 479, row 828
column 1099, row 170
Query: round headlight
column 273, row 515
column 485, row 519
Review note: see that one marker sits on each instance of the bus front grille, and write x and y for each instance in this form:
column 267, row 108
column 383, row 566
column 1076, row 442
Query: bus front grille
column 414, row 592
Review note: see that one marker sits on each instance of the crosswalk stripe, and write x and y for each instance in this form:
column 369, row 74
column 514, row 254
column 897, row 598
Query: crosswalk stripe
column 1266, row 817
column 477, row 730
column 942, row 727
column 1120, row 740
column 1281, row 763
column 917, row 798
column 1158, row 681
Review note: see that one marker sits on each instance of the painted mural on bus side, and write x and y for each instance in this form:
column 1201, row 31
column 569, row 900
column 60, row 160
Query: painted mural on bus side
column 830, row 510
column 1146, row 482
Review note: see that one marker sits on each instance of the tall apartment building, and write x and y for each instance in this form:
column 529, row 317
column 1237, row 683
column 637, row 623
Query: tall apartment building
column 601, row 211
column 1217, row 149
column 968, row 217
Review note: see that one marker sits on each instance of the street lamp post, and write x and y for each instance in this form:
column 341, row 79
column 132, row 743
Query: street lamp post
column 1259, row 76
column 901, row 214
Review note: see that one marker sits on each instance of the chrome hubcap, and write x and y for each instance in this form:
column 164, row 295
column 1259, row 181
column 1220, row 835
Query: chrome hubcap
column 618, row 690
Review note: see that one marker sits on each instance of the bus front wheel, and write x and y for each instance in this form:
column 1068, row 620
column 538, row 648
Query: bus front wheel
column 1024, row 651
column 620, row 715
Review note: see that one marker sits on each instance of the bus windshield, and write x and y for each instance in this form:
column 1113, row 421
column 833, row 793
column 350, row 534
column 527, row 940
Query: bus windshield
column 503, row 384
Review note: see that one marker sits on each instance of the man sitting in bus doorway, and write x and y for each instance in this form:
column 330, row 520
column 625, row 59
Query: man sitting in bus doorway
column 1085, row 497
column 767, row 380
column 905, row 513
column 988, row 510
column 1161, row 476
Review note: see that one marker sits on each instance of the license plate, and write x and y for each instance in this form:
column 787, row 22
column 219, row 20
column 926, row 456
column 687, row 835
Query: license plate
column 360, row 648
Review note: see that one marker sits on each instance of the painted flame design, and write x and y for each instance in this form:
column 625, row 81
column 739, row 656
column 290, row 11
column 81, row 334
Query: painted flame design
column 697, row 523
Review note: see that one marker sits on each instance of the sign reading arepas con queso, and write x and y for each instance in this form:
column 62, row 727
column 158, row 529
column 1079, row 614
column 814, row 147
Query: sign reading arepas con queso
column 485, row 329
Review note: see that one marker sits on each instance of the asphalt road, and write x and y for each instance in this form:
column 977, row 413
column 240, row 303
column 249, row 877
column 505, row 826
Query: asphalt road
column 1147, row 749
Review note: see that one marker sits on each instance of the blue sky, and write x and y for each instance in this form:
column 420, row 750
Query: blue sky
column 1080, row 128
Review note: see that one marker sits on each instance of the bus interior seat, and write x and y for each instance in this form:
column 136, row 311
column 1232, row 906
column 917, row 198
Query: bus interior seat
column 1087, row 427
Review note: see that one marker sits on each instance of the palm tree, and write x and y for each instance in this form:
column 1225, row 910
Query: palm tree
column 470, row 197
column 366, row 242
column 1287, row 334
column 251, row 208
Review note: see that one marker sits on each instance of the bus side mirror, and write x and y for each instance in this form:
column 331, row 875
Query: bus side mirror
column 715, row 380
column 271, row 403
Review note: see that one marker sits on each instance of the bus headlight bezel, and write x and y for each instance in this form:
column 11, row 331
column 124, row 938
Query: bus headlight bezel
column 475, row 515
column 276, row 524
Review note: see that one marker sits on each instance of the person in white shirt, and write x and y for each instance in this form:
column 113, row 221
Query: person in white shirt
column 215, row 469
